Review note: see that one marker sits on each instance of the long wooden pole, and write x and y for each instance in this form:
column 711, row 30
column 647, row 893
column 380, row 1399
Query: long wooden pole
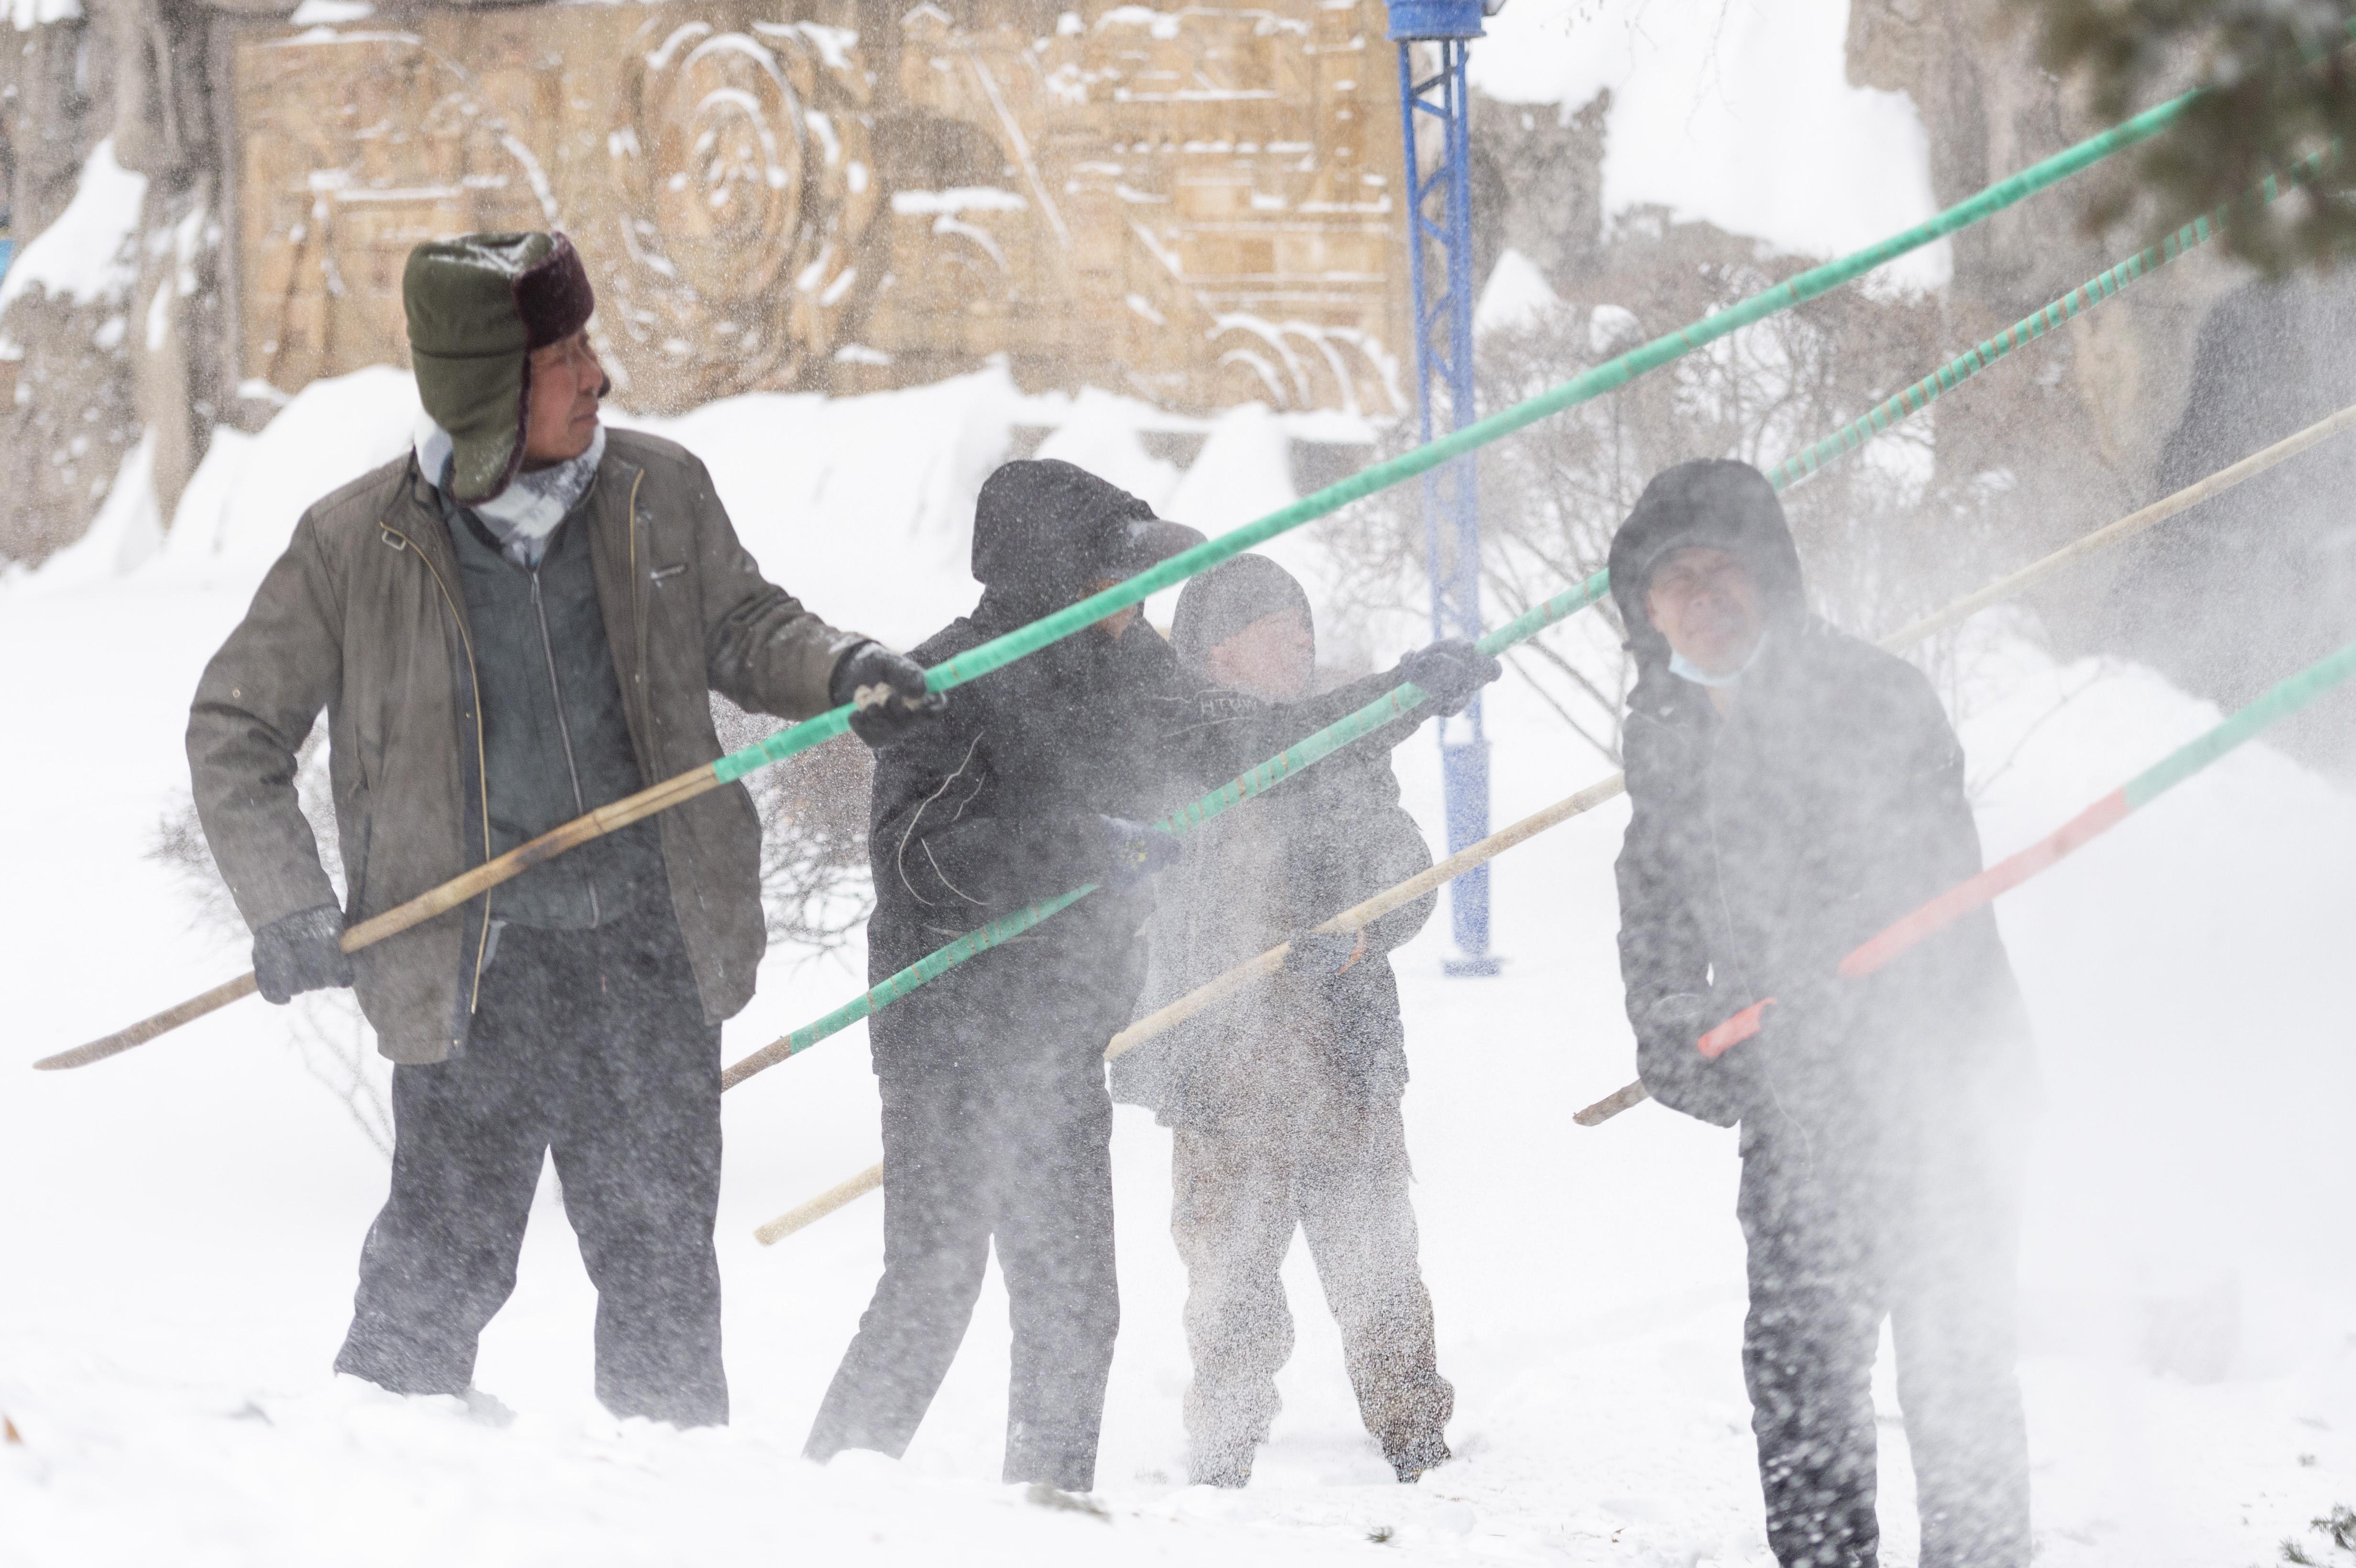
column 1213, row 991
column 605, row 819
column 820, row 1207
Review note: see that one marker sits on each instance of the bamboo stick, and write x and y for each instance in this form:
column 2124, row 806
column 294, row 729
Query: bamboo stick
column 1214, row 991
column 607, row 818
column 2121, row 531
column 820, row 1207
column 1612, row 1104
column 146, row 1029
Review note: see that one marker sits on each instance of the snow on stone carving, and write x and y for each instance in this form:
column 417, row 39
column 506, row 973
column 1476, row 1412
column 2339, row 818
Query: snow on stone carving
column 1193, row 205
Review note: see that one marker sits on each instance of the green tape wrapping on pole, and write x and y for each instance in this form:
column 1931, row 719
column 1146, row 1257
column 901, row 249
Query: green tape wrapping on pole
column 2279, row 702
column 2085, row 297
column 1977, row 891
column 1005, row 928
column 1397, row 703
column 1583, row 388
column 1394, row 704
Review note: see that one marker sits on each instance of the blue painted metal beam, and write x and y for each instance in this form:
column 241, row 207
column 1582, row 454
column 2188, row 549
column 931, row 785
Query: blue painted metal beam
column 1439, row 268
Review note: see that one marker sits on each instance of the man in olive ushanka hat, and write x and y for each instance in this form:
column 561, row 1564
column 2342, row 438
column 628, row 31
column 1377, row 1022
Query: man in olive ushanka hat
column 518, row 622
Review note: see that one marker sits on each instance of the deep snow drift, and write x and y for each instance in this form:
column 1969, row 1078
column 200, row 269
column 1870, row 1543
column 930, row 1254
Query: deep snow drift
column 182, row 1223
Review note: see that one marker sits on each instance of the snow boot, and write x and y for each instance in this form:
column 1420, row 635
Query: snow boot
column 1041, row 1494
column 1427, row 1452
column 1228, row 1464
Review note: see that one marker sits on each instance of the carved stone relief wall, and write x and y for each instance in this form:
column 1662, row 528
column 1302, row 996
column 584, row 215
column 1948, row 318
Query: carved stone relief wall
column 1196, row 204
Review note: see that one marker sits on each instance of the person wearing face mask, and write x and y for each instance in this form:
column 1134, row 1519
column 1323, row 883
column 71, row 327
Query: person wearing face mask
column 1793, row 791
column 518, row 622
column 1284, row 1099
column 997, row 1128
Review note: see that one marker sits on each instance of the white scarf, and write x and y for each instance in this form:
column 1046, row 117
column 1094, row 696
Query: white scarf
column 524, row 514
column 1687, row 669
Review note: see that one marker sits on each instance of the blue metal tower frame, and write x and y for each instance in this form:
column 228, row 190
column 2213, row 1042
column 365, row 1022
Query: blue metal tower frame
column 1443, row 362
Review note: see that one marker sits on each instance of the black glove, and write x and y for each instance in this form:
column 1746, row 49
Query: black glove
column 1450, row 671
column 1803, row 1054
column 1137, row 851
column 887, row 689
column 299, row 952
column 1321, row 955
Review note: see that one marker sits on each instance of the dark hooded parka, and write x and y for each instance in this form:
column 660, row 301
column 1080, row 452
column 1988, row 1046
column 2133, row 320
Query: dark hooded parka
column 1877, row 1114
column 997, row 1125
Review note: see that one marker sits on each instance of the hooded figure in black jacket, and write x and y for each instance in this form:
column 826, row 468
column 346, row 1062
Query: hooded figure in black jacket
column 1795, row 790
column 997, row 1126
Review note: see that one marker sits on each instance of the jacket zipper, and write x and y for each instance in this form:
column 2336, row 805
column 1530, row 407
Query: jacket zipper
column 482, row 768
column 639, row 609
column 564, row 730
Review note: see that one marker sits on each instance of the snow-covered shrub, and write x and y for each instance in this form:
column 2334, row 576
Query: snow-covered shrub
column 325, row 1028
column 815, row 887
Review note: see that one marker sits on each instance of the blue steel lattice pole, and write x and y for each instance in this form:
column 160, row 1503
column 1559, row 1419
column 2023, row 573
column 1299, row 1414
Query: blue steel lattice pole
column 1443, row 361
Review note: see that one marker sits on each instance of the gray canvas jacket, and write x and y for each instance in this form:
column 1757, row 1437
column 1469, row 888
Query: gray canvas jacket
column 364, row 616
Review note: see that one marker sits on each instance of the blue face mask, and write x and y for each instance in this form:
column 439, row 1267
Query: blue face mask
column 1685, row 670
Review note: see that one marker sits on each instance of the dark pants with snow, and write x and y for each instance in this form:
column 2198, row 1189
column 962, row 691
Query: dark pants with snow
column 1340, row 1176
column 590, row 1045
column 1019, row 1152
column 1829, row 1257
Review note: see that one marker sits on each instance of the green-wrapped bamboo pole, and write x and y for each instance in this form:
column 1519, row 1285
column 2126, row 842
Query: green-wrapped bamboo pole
column 2029, row 329
column 1002, row 651
column 1235, row 979
column 1847, row 439
column 1395, row 703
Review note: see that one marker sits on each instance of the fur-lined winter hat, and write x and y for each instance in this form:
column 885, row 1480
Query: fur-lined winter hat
column 478, row 306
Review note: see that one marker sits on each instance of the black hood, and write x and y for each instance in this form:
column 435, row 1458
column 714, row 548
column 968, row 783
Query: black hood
column 1044, row 529
column 1719, row 504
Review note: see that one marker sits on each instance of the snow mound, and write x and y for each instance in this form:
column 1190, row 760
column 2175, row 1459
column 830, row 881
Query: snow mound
column 242, row 503
column 90, row 252
column 863, row 507
column 1741, row 114
column 1516, row 294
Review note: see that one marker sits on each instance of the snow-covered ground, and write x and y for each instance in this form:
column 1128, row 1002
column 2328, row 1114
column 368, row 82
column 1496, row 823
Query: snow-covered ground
column 180, row 1228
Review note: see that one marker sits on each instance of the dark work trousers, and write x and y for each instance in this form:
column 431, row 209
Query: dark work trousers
column 591, row 1044
column 1241, row 1190
column 1829, row 1257
column 1020, row 1152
